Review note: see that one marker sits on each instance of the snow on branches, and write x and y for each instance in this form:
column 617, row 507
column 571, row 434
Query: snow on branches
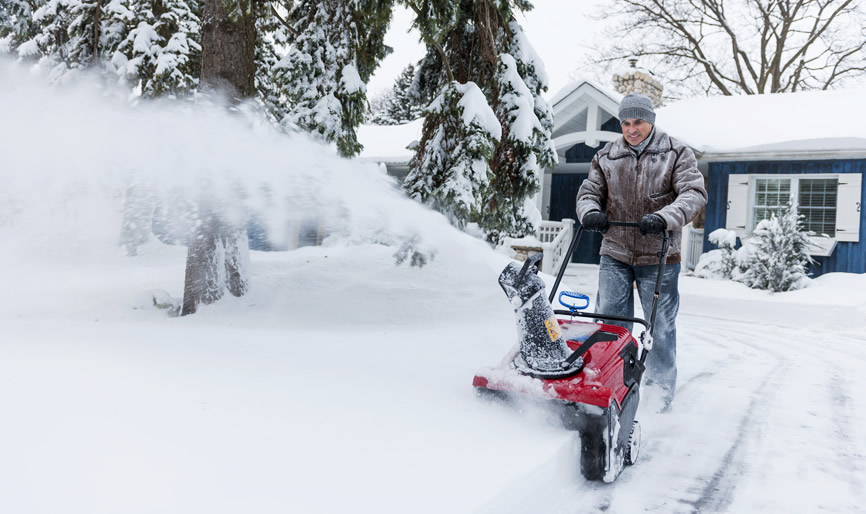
column 527, row 146
column 451, row 170
column 162, row 53
column 480, row 42
column 775, row 258
column 778, row 253
column 400, row 104
column 323, row 77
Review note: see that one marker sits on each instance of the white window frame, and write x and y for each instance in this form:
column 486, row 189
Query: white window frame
column 741, row 205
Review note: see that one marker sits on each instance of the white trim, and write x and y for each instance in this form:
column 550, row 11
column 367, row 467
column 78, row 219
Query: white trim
column 849, row 198
column 566, row 141
column 592, row 123
column 785, row 155
column 824, row 246
column 738, row 204
column 579, row 99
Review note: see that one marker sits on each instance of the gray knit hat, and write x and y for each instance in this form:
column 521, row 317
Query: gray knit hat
column 637, row 106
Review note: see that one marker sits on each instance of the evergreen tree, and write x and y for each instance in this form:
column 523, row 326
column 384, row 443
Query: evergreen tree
column 480, row 41
column 17, row 23
column 49, row 45
column 336, row 45
column 778, row 253
column 74, row 35
column 527, row 144
column 162, row 53
column 451, row 170
column 271, row 34
column 401, row 103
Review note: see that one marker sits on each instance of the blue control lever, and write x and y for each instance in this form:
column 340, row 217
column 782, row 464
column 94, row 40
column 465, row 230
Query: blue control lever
column 577, row 296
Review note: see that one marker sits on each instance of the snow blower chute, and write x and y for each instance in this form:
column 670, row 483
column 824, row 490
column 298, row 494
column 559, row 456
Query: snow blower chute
column 589, row 371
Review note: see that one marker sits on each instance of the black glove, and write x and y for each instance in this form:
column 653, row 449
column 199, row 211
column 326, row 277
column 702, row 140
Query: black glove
column 652, row 224
column 595, row 221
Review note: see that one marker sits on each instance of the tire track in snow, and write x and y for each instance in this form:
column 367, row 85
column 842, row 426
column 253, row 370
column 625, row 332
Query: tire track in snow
column 838, row 392
column 804, row 364
column 716, row 493
column 837, row 389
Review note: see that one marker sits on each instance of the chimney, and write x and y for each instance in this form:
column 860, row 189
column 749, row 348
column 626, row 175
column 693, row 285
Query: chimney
column 638, row 80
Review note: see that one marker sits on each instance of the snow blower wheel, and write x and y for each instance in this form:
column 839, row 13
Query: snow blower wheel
column 633, row 449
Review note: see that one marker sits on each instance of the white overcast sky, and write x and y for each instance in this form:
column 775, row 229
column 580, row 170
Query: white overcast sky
column 560, row 30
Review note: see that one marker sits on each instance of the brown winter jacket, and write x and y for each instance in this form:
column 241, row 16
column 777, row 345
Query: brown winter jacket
column 664, row 180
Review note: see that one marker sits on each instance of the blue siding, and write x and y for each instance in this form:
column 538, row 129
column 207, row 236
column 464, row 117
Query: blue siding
column 848, row 257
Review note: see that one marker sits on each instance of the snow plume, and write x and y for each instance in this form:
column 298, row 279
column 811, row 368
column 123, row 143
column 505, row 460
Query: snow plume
column 71, row 156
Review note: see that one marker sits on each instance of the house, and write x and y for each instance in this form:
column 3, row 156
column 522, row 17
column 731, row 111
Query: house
column 757, row 152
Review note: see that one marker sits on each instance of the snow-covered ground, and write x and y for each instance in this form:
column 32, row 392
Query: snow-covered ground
column 342, row 381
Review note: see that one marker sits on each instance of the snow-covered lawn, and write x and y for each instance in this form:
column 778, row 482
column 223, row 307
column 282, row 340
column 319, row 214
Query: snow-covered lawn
column 343, row 383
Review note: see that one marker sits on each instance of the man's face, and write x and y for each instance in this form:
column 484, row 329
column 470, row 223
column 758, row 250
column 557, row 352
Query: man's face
column 635, row 130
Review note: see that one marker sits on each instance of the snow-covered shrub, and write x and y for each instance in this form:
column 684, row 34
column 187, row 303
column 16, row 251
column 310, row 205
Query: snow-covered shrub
column 721, row 263
column 726, row 240
column 776, row 257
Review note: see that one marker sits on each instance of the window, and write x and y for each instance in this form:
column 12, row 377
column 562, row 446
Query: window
column 829, row 203
column 815, row 201
column 771, row 194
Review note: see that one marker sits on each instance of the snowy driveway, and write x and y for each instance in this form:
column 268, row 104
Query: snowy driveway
column 279, row 403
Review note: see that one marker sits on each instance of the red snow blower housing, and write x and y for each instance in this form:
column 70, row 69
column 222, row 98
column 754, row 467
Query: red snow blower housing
column 589, row 371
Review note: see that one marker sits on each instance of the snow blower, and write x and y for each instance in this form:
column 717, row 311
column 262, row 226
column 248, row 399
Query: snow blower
column 589, row 371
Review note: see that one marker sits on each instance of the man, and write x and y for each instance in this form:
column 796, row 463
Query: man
column 649, row 177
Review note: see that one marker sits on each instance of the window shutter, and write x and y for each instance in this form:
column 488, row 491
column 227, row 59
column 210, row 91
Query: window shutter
column 848, row 207
column 738, row 204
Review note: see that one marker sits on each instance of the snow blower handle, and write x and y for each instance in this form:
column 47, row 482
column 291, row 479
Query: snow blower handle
column 662, row 255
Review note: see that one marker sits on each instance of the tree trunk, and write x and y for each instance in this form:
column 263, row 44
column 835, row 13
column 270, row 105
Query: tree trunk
column 218, row 253
column 228, row 41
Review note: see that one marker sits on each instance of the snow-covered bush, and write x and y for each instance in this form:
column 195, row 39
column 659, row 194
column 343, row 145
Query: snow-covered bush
column 721, row 263
column 777, row 256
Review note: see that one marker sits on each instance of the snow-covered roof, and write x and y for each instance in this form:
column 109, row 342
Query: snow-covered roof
column 783, row 125
column 823, row 123
column 575, row 84
column 387, row 143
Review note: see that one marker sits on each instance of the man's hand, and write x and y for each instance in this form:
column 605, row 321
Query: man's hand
column 651, row 224
column 595, row 221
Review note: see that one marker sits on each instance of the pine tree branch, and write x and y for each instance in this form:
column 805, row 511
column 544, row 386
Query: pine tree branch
column 284, row 22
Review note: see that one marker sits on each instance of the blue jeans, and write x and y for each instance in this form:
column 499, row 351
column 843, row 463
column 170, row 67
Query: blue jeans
column 616, row 297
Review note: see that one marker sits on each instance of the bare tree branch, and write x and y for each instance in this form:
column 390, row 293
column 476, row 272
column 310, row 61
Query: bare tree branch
column 741, row 46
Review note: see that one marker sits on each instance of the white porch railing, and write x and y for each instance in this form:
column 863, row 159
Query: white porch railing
column 552, row 240
column 693, row 246
column 555, row 236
